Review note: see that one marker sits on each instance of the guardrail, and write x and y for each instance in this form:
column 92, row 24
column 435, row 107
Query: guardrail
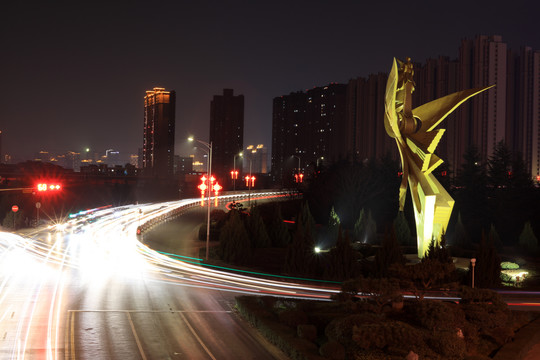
column 187, row 204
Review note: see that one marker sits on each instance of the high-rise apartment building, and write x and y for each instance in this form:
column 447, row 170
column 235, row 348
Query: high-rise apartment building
column 256, row 159
column 226, row 131
column 365, row 136
column 307, row 130
column 482, row 62
column 289, row 126
column 158, row 139
column 523, row 107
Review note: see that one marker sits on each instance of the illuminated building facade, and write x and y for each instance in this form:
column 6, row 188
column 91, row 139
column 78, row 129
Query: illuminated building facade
column 257, row 157
column 158, row 137
column 226, row 131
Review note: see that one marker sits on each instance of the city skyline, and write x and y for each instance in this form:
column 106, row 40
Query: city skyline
column 86, row 71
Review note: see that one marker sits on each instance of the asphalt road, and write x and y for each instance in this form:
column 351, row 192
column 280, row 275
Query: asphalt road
column 96, row 293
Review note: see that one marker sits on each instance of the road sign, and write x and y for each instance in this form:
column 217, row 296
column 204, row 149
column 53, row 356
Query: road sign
column 14, row 208
column 38, row 205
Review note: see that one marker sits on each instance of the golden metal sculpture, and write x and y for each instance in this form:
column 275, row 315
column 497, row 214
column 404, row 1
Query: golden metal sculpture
column 417, row 139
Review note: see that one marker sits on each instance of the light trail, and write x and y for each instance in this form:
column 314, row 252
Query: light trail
column 102, row 244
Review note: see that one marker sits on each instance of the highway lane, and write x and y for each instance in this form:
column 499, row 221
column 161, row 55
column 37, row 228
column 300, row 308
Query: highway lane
column 95, row 292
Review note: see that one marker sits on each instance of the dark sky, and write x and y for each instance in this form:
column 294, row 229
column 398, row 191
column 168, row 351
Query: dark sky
column 74, row 74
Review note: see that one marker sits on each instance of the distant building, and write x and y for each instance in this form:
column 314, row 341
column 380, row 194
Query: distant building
column 481, row 120
column 523, row 107
column 226, row 131
column 256, row 157
column 70, row 160
column 134, row 160
column 112, row 158
column 307, row 130
column 42, row 156
column 362, row 133
column 158, row 137
column 183, row 164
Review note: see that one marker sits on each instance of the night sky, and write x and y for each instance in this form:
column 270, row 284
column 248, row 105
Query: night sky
column 74, row 74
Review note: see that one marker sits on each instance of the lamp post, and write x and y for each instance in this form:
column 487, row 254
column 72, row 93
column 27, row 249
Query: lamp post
column 250, row 180
column 473, row 263
column 298, row 157
column 209, row 146
column 234, row 169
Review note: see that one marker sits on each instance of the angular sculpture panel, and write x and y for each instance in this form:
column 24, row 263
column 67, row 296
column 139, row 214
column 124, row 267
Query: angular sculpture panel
column 416, row 139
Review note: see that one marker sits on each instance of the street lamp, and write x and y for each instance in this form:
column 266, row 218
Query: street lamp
column 473, row 262
column 209, row 146
column 298, row 175
column 234, row 172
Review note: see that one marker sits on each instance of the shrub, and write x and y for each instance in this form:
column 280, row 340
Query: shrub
column 293, row 318
column 448, row 344
column 307, row 331
column 341, row 329
column 332, row 350
column 507, row 265
column 433, row 315
column 390, row 333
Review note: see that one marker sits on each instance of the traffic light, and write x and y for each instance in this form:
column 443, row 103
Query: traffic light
column 48, row 187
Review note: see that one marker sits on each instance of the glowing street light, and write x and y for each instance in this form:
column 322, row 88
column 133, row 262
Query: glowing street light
column 298, row 177
column 209, row 146
column 216, row 187
column 473, row 263
column 234, row 172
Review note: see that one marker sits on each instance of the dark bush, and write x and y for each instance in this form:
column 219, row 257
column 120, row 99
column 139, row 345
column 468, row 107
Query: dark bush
column 438, row 315
column 293, row 318
column 307, row 331
column 332, row 350
column 448, row 344
column 389, row 333
column 341, row 329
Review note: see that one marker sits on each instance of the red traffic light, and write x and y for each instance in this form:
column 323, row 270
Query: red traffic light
column 48, row 187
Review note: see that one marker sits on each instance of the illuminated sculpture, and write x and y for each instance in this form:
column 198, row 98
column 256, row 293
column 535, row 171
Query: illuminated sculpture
column 417, row 139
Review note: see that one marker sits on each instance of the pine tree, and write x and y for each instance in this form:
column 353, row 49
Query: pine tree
column 278, row 231
column 499, row 166
column 403, row 232
column 389, row 253
column 300, row 258
column 461, row 238
column 359, row 227
column 257, row 229
column 494, row 235
column 438, row 251
column 472, row 194
column 488, row 265
column 371, row 229
column 521, row 178
column 307, row 219
column 234, row 243
column 527, row 240
column 333, row 224
column 342, row 259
